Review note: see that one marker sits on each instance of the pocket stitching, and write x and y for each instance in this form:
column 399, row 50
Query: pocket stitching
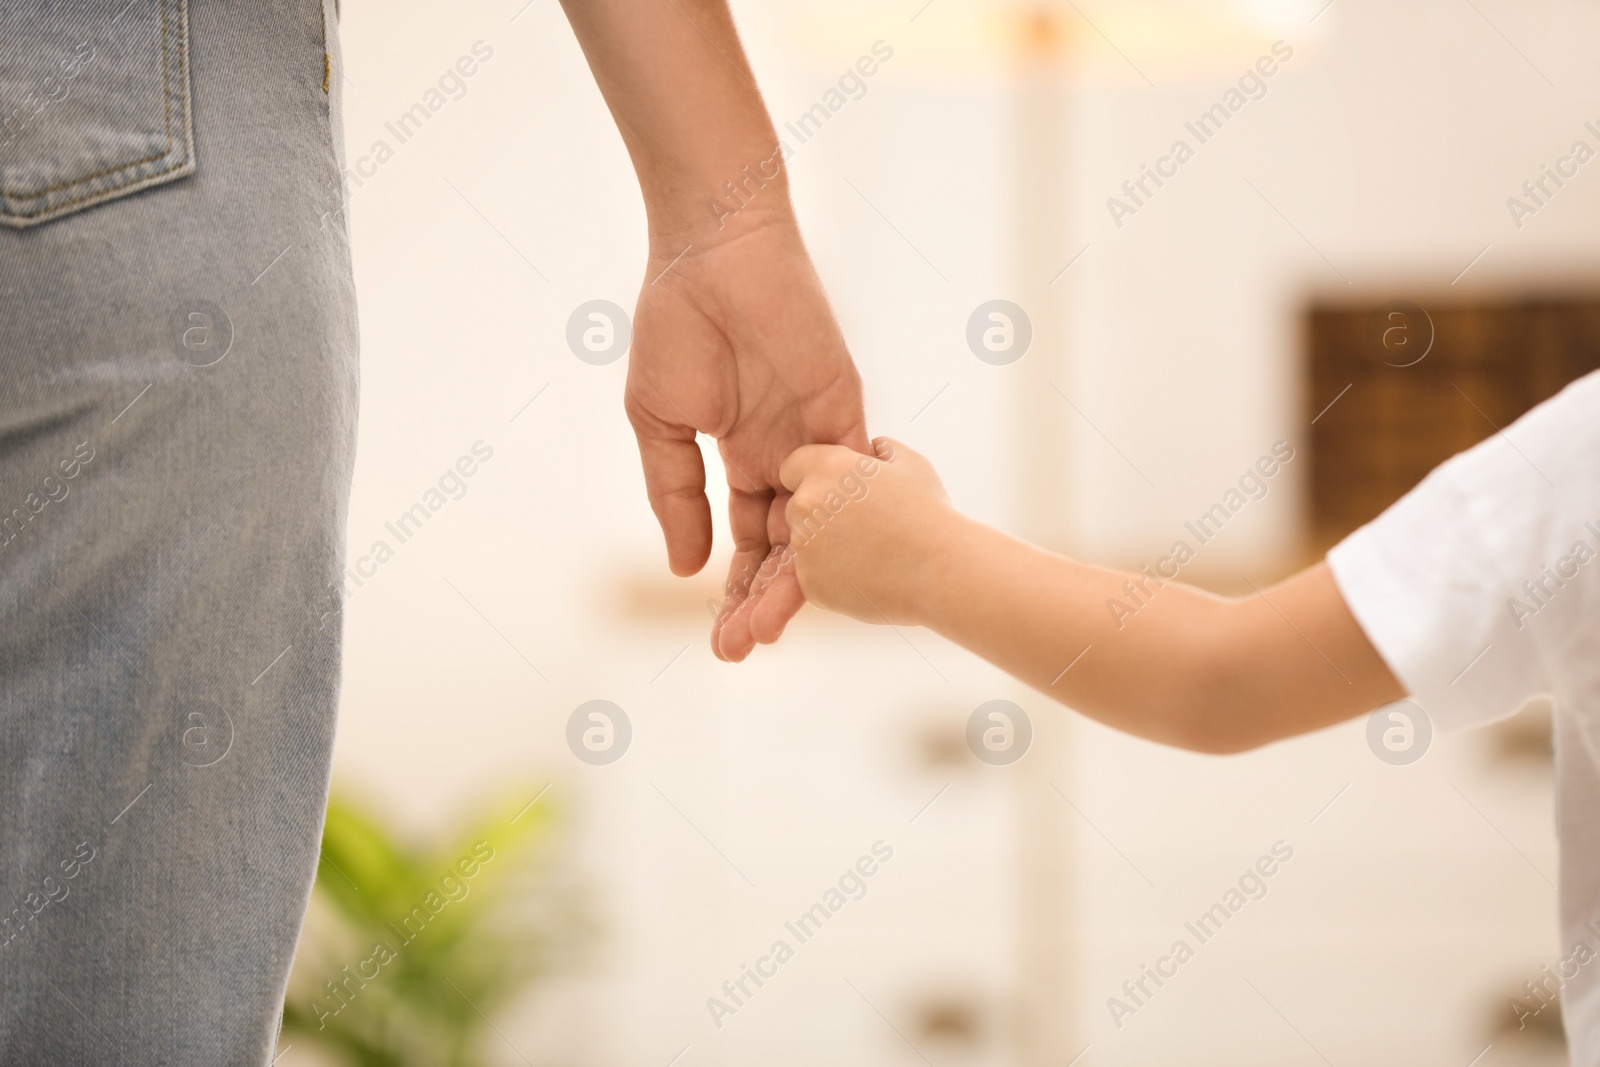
column 166, row 94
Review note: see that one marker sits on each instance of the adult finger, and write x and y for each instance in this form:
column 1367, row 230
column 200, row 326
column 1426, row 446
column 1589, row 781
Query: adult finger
column 774, row 595
column 855, row 439
column 747, row 523
column 675, row 480
column 780, row 597
column 735, row 638
column 779, row 603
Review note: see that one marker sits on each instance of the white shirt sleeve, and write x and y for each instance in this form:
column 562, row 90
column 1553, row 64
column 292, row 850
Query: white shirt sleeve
column 1460, row 584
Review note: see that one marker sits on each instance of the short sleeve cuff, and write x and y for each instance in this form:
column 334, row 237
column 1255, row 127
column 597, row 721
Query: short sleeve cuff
column 1428, row 595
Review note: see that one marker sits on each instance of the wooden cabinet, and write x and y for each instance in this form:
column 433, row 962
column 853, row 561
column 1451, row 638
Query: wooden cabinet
column 1396, row 389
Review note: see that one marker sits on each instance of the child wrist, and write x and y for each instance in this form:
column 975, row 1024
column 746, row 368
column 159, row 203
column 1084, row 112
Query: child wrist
column 932, row 565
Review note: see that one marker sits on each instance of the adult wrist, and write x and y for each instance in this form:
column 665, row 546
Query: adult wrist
column 718, row 202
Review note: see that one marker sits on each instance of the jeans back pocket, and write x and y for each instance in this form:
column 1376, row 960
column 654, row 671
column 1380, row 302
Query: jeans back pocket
column 94, row 103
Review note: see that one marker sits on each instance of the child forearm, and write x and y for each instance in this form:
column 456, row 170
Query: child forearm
column 1042, row 618
column 878, row 539
column 1185, row 668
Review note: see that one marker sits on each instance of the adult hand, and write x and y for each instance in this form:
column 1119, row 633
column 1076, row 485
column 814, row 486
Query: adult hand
column 733, row 338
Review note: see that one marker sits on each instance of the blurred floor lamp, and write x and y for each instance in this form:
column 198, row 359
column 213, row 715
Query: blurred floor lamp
column 1041, row 243
column 1057, row 48
column 1036, row 54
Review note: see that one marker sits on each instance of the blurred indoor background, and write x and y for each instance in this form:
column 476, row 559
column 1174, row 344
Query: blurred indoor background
column 1227, row 309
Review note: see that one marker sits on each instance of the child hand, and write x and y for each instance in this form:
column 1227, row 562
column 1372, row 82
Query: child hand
column 863, row 530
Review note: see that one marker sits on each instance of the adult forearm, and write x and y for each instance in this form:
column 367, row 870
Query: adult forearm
column 684, row 98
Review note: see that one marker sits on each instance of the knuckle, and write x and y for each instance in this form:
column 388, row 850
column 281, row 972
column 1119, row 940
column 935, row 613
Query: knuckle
column 690, row 493
column 750, row 546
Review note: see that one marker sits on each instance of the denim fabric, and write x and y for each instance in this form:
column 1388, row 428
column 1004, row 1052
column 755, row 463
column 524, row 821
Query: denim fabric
column 96, row 104
column 178, row 391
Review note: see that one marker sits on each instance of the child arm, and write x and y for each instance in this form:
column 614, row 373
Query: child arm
column 878, row 539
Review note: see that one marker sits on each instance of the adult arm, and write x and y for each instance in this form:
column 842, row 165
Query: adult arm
column 733, row 336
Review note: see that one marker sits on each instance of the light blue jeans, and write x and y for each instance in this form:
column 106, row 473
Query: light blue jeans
column 177, row 423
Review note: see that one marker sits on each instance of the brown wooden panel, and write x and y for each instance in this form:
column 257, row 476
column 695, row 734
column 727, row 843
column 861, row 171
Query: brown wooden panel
column 1488, row 364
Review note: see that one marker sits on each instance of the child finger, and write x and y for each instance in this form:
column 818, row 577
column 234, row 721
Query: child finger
column 806, row 460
